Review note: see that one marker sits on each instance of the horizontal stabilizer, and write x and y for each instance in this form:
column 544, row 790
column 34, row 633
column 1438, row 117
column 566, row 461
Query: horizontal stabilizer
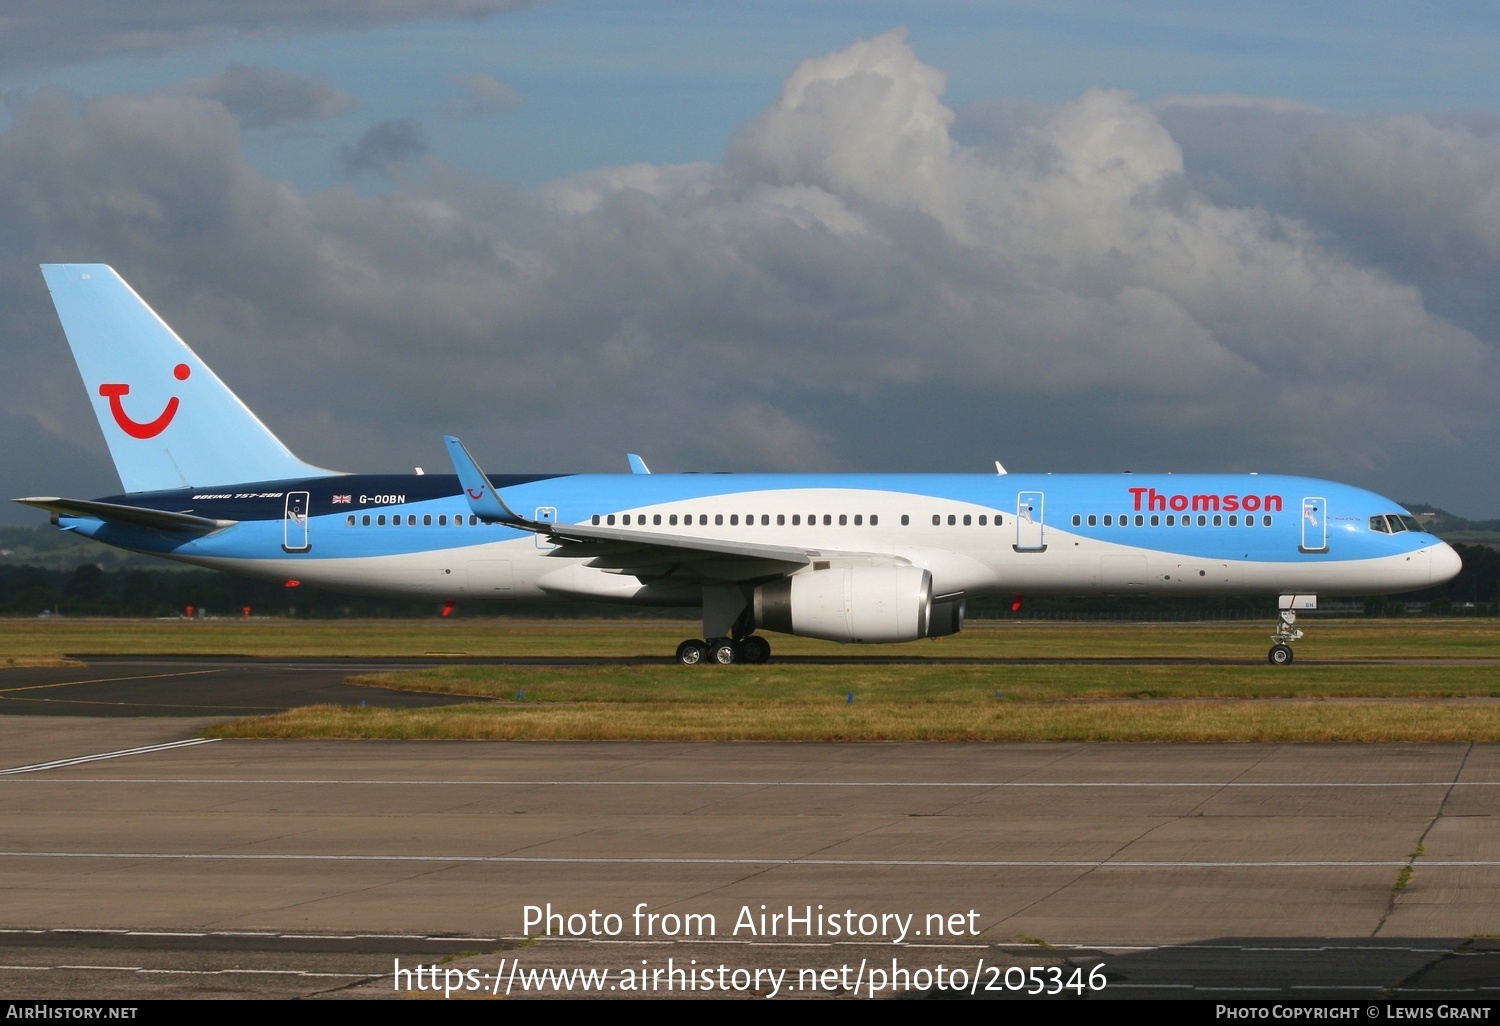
column 135, row 516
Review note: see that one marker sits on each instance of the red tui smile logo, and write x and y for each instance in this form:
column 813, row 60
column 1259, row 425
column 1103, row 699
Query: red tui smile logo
column 136, row 428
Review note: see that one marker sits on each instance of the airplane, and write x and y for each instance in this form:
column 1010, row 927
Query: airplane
column 857, row 558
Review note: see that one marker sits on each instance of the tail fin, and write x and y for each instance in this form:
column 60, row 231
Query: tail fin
column 169, row 421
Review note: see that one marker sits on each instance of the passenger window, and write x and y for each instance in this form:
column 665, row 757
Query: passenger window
column 365, row 520
column 610, row 520
column 1218, row 520
column 983, row 520
column 1234, row 521
column 952, row 520
column 843, row 520
column 672, row 520
column 827, row 520
column 380, row 520
column 1140, row 521
column 796, row 519
column 968, row 520
column 781, row 520
column 936, row 520
column 350, row 520
column 906, row 520
column 1171, row 520
column 1109, row 520
column 1266, row 520
column 596, row 520
column 858, row 520
column 718, row 520
column 473, row 520
column 1155, row 520
column 1202, row 520
column 1093, row 520
column 426, row 519
column 442, row 520
column 734, row 520
column 874, row 520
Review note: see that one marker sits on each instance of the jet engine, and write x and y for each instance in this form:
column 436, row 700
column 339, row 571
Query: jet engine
column 857, row 604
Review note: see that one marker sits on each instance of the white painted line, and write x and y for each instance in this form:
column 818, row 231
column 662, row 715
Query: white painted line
column 145, row 750
column 1425, row 864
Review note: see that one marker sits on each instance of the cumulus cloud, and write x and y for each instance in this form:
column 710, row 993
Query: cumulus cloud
column 266, row 98
column 74, row 31
column 869, row 279
column 486, row 95
column 389, row 142
column 1416, row 195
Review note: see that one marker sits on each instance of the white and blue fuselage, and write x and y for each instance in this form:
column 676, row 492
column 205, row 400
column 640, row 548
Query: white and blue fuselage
column 1054, row 534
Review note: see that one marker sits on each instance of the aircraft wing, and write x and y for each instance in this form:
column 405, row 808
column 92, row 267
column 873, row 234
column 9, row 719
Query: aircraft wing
column 642, row 553
column 135, row 516
column 623, row 539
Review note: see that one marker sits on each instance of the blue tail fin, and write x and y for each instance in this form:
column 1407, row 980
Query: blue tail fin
column 169, row 421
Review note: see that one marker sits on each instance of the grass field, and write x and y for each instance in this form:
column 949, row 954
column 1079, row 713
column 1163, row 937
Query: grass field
column 657, row 639
column 1202, row 682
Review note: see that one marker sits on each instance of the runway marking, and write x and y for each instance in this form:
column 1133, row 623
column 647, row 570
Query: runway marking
column 770, row 861
column 758, row 784
column 108, row 680
column 146, row 749
column 196, row 972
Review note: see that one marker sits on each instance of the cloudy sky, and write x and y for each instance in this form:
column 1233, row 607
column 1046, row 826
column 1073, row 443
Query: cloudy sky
column 777, row 236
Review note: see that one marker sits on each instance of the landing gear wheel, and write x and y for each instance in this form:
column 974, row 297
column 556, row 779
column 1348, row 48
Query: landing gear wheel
column 1280, row 655
column 755, row 649
column 723, row 652
column 692, row 652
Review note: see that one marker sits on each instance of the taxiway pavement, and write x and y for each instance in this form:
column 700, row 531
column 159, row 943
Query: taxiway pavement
column 135, row 863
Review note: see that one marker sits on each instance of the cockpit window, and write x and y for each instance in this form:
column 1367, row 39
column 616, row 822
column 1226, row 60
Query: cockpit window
column 1394, row 523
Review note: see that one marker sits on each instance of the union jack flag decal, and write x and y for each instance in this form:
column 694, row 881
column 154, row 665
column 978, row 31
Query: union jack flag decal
column 342, row 500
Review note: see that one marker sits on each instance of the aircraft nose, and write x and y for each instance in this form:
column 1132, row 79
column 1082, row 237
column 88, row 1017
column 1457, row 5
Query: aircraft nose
column 1445, row 563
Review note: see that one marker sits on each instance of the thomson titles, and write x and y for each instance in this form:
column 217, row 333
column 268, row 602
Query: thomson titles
column 752, row 922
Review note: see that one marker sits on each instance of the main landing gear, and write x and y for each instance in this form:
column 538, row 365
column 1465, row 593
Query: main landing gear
column 1286, row 633
column 751, row 649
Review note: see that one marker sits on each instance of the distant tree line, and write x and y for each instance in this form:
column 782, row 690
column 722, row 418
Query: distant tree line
column 92, row 590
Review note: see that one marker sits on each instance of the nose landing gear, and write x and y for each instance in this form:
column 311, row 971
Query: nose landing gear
column 1286, row 633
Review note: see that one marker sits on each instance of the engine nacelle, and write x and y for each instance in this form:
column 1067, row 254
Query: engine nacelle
column 870, row 604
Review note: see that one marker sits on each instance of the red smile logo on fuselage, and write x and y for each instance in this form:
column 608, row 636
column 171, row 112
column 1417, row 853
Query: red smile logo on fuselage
column 136, row 428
